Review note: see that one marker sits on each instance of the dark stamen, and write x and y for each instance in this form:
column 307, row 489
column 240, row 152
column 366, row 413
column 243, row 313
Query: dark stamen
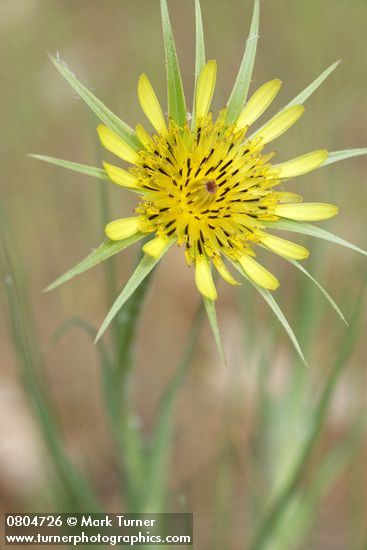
column 226, row 165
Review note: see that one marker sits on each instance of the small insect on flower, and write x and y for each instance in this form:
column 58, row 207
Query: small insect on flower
column 208, row 182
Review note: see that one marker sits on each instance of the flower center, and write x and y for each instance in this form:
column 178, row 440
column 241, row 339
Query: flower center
column 199, row 195
column 207, row 189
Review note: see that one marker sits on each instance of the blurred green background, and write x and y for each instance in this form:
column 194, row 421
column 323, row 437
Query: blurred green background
column 236, row 427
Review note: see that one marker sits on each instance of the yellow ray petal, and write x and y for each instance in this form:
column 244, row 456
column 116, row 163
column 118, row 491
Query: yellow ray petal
column 223, row 271
column 121, row 177
column 306, row 211
column 143, row 135
column 203, row 278
column 119, row 230
column 156, row 247
column 205, row 89
column 285, row 248
column 279, row 123
column 259, row 102
column 150, row 104
column 112, row 142
column 301, row 165
column 258, row 273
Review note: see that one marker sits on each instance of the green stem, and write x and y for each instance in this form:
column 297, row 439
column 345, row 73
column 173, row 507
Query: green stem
column 126, row 326
column 124, row 422
column 116, row 380
column 110, row 266
column 277, row 508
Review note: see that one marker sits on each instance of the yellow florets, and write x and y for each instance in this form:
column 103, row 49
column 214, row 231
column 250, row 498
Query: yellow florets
column 209, row 186
column 207, row 189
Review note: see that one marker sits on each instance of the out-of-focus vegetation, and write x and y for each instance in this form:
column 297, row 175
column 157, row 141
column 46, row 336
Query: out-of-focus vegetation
column 238, row 429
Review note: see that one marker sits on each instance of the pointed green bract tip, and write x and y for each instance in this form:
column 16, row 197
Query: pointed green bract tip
column 100, row 110
column 213, row 321
column 175, row 92
column 104, row 251
column 239, row 93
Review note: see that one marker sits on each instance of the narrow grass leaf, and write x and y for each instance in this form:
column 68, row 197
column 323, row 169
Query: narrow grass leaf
column 104, row 251
column 78, row 492
column 242, row 84
column 144, row 267
column 103, row 113
column 324, row 292
column 336, row 156
column 74, row 166
column 336, row 459
column 176, row 97
column 156, row 486
column 88, row 329
column 268, row 297
column 199, row 52
column 212, row 317
column 302, row 507
column 277, row 508
column 305, row 94
column 122, row 429
column 313, row 231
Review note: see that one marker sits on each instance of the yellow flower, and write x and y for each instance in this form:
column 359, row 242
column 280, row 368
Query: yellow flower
column 210, row 186
column 207, row 182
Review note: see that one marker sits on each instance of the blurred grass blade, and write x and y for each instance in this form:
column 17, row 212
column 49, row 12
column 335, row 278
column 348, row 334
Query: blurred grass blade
column 336, row 156
column 78, row 492
column 157, row 482
column 123, row 429
column 239, row 93
column 199, row 53
column 105, row 362
column 324, row 292
column 313, row 231
column 103, row 113
column 276, row 509
column 268, row 297
column 212, row 317
column 301, row 510
column 76, row 322
column 104, row 251
column 74, row 166
column 336, row 459
column 142, row 270
column 301, row 98
column 176, row 98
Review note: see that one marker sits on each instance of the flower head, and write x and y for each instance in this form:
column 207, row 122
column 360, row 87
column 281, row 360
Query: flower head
column 211, row 186
column 207, row 182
